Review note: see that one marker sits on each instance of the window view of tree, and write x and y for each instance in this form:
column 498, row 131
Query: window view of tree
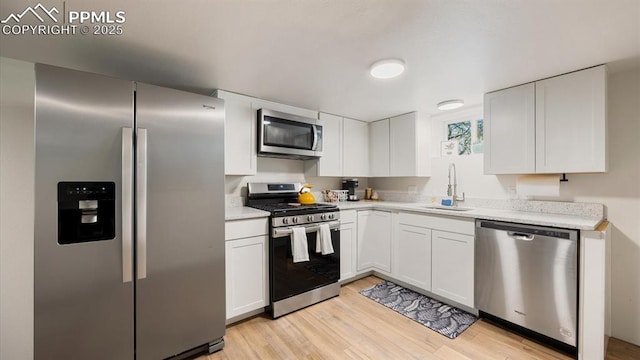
column 480, row 132
column 461, row 131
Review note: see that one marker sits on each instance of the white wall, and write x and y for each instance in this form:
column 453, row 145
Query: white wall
column 618, row 190
column 470, row 178
column 17, row 85
column 282, row 170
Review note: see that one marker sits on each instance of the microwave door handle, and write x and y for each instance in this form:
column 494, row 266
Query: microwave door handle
column 315, row 137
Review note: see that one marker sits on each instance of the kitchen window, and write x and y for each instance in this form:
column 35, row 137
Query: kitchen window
column 468, row 133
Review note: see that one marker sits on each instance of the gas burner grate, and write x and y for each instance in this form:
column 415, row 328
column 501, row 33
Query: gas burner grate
column 292, row 208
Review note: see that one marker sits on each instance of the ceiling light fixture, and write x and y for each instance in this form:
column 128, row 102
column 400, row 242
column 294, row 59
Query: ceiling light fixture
column 450, row 104
column 387, row 69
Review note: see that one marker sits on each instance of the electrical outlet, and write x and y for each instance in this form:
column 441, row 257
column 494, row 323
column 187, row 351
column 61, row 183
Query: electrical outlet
column 412, row 189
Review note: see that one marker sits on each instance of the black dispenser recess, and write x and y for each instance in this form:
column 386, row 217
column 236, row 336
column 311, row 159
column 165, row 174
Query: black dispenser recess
column 86, row 211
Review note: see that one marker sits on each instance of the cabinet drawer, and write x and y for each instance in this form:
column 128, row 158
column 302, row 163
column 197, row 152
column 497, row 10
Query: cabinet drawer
column 238, row 229
column 414, row 219
column 348, row 216
column 444, row 223
column 455, row 225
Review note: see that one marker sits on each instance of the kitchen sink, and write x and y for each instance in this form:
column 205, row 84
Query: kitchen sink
column 448, row 208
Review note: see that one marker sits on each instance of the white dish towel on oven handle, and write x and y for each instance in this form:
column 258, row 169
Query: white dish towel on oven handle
column 323, row 240
column 299, row 245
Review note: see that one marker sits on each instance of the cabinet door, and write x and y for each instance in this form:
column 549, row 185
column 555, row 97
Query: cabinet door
column 355, row 140
column 453, row 266
column 374, row 240
column 379, row 148
column 240, row 154
column 571, row 122
column 246, row 275
column 330, row 164
column 348, row 239
column 403, row 145
column 412, row 255
column 509, row 136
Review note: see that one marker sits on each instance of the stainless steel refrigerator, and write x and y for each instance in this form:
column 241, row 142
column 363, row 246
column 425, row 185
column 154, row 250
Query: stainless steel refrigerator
column 129, row 219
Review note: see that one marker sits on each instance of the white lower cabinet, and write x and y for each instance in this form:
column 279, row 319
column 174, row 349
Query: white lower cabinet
column 374, row 240
column 412, row 255
column 246, row 265
column 452, row 261
column 348, row 244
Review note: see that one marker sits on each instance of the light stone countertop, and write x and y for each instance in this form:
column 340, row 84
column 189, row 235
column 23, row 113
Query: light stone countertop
column 579, row 222
column 243, row 212
column 523, row 217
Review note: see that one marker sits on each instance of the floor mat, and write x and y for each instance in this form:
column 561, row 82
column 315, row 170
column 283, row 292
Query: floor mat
column 442, row 318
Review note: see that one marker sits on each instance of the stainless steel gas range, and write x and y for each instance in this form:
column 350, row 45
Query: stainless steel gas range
column 296, row 284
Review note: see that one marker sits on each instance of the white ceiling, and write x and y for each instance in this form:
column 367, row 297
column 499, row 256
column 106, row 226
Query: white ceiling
column 316, row 53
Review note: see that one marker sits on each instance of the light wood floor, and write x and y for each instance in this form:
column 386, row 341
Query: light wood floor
column 352, row 326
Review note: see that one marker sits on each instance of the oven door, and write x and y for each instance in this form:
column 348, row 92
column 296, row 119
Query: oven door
column 288, row 278
column 286, row 135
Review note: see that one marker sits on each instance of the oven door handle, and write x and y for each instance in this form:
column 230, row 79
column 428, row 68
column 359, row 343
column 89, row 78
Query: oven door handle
column 286, row 231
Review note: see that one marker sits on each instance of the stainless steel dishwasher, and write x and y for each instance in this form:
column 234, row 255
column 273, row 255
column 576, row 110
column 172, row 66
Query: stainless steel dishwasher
column 528, row 276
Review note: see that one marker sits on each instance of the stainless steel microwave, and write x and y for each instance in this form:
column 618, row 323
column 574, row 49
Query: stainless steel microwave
column 288, row 136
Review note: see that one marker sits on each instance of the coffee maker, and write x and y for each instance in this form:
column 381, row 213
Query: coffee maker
column 350, row 185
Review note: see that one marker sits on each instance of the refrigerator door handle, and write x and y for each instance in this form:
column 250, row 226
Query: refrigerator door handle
column 127, row 204
column 141, row 202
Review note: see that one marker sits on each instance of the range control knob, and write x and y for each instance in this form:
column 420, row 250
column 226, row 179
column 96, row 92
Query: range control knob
column 323, row 217
column 295, row 220
column 330, row 216
column 285, row 221
column 310, row 218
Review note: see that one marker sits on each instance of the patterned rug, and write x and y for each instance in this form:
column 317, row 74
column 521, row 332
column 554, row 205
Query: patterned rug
column 439, row 317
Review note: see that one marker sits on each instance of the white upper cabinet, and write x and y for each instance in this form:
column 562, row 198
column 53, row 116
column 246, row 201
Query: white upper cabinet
column 240, row 153
column 409, row 145
column 379, row 148
column 345, row 148
column 509, row 136
column 556, row 125
column 571, row 122
column 240, row 130
column 399, row 146
column 355, row 155
column 330, row 164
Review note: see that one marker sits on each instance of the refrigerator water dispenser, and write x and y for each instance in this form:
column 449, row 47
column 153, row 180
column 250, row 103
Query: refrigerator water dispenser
column 86, row 212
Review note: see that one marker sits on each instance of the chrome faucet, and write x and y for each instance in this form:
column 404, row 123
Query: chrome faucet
column 452, row 190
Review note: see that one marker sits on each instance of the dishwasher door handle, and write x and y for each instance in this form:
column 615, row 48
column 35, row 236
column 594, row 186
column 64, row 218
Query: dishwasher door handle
column 521, row 236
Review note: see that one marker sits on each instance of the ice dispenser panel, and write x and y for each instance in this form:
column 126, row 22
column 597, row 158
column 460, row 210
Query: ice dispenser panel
column 86, row 211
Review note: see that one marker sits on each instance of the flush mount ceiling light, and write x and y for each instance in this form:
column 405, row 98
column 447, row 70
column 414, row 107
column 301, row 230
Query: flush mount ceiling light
column 450, row 104
column 387, row 69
